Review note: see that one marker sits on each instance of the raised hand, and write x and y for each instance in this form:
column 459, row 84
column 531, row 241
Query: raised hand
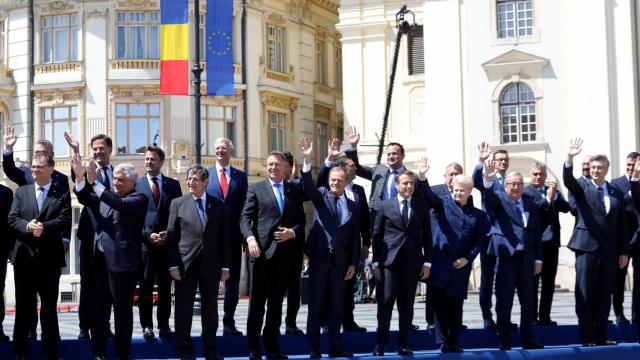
column 423, row 167
column 73, row 143
column 353, row 137
column 551, row 189
column 636, row 169
column 483, row 151
column 306, row 147
column 92, row 171
column 575, row 147
column 333, row 149
column 9, row 137
column 489, row 170
column 78, row 166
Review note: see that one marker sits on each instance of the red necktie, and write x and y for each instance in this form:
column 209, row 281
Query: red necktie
column 224, row 186
column 155, row 191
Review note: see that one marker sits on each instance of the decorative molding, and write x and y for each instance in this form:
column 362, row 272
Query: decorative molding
column 56, row 7
column 321, row 112
column 135, row 93
column 138, row 4
column 276, row 19
column 58, row 96
column 96, row 13
column 321, row 33
column 280, row 101
column 329, row 5
column 515, row 62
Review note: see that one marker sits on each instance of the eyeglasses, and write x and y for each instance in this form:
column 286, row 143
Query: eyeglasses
column 39, row 167
column 513, row 183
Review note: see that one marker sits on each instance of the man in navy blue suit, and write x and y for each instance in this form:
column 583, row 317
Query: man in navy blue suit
column 623, row 184
column 401, row 242
column 488, row 261
column 333, row 248
column 230, row 185
column 634, row 247
column 550, row 227
column 119, row 219
column 515, row 242
column 160, row 190
column 6, row 243
column 600, row 243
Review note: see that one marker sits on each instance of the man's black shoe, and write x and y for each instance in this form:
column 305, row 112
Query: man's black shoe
column 147, row 333
column 276, row 356
column 446, row 348
column 609, row 322
column 431, row 326
column 353, row 328
column 606, row 342
column 404, row 351
column 293, row 331
column 489, row 324
column 255, row 356
column 514, row 325
column 621, row 319
column 20, row 357
column 31, row 335
column 547, row 322
column 414, row 327
column 166, row 333
column 463, row 327
column 214, row 357
column 110, row 334
column 84, row 334
column 504, row 346
column 339, row 353
column 532, row 345
column 231, row 331
column 99, row 357
column 315, row 354
column 3, row 336
column 324, row 329
column 378, row 350
column 187, row 357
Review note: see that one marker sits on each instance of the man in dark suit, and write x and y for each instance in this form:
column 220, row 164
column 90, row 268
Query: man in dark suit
column 230, row 185
column 487, row 260
column 199, row 256
column 600, row 243
column 40, row 215
column 355, row 193
column 272, row 223
column 634, row 248
column 119, row 219
column 515, row 242
column 101, row 146
column 401, row 243
column 6, row 243
column 333, row 248
column 160, row 191
column 623, row 184
column 550, row 228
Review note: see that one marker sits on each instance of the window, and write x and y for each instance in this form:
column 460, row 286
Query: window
column 338, row 67
column 276, row 50
column 340, row 132
column 321, row 61
column 277, row 130
column 57, row 120
column 137, row 34
column 217, row 121
column 322, row 141
column 518, row 114
column 59, row 38
column 136, row 126
column 2, row 37
column 515, row 18
column 3, row 123
column 203, row 37
column 416, row 51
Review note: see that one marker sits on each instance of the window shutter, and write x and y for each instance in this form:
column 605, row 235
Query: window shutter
column 416, row 51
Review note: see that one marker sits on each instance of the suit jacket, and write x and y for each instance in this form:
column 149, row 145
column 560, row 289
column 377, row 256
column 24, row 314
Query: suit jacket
column 188, row 237
column 119, row 221
column 478, row 183
column 624, row 185
column 325, row 229
column 261, row 217
column 22, row 176
column 390, row 233
column 508, row 228
column 378, row 176
column 236, row 194
column 55, row 217
column 549, row 214
column 595, row 229
column 157, row 216
column 7, row 240
column 634, row 244
column 459, row 231
column 360, row 199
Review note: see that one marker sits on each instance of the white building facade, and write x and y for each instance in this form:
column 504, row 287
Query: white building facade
column 525, row 75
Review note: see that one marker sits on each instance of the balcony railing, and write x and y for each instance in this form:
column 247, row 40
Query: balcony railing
column 135, row 64
column 58, row 67
column 278, row 76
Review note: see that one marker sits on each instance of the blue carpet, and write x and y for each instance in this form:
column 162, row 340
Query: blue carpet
column 560, row 342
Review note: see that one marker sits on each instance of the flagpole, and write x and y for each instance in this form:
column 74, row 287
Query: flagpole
column 197, row 72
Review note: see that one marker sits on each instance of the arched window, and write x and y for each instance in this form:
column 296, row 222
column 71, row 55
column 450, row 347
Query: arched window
column 517, row 114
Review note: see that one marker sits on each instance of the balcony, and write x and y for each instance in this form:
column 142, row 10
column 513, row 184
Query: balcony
column 134, row 69
column 278, row 76
column 41, row 69
column 135, row 64
column 60, row 74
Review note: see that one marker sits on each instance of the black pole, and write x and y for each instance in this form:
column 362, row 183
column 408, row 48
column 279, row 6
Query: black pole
column 197, row 72
column 403, row 27
column 31, row 67
column 245, row 116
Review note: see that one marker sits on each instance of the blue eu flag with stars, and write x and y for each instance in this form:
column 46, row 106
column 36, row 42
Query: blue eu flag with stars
column 219, row 48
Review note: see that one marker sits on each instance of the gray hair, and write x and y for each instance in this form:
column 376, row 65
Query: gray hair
column 601, row 158
column 539, row 165
column 128, row 170
column 226, row 141
column 200, row 170
column 512, row 174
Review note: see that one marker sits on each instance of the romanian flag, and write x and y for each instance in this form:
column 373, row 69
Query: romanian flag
column 174, row 47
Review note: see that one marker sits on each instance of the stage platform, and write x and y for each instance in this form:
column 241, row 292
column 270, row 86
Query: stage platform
column 560, row 341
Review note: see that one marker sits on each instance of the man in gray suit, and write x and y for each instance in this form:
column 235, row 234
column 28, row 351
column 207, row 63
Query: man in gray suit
column 199, row 255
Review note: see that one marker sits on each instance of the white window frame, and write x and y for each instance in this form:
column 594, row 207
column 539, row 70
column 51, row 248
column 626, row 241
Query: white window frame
column 125, row 139
column 228, row 120
column 48, row 126
column 322, row 140
column 51, row 30
column 126, row 21
column 321, row 61
column 338, row 66
column 277, row 127
column 517, row 114
column 514, row 18
column 276, row 48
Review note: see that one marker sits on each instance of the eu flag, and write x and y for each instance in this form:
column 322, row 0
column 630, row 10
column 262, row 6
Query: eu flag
column 219, row 48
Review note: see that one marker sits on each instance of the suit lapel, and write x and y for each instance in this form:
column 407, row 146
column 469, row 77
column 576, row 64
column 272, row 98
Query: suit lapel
column 231, row 182
column 395, row 208
column 33, row 203
column 146, row 189
column 271, row 196
column 215, row 184
column 512, row 211
column 195, row 212
column 47, row 200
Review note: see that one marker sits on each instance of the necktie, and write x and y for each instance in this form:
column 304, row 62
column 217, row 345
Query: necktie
column 601, row 197
column 543, row 193
column 521, row 241
column 200, row 210
column 279, row 198
column 41, row 196
column 338, row 211
column 224, row 186
column 501, row 181
column 405, row 212
column 155, row 190
column 393, row 191
column 105, row 178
